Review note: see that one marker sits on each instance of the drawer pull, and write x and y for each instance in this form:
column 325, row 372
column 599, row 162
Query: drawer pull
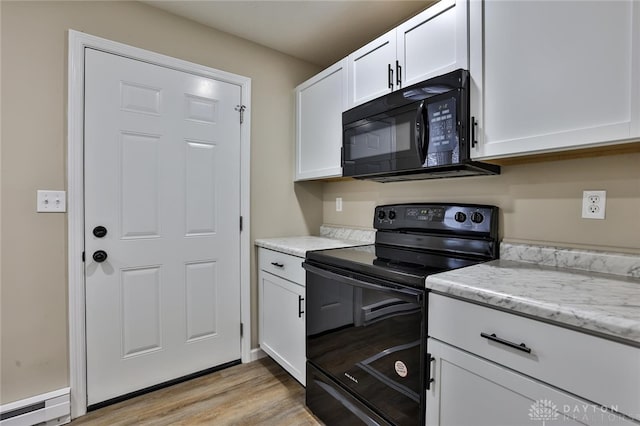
column 278, row 265
column 300, row 311
column 521, row 347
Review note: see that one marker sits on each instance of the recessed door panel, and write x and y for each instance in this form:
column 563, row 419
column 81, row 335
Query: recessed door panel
column 202, row 300
column 141, row 323
column 139, row 185
column 200, row 188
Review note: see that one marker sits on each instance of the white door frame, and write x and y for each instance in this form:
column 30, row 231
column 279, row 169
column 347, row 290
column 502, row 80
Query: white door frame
column 78, row 41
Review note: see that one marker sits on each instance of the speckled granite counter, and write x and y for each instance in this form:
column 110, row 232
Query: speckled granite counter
column 299, row 246
column 330, row 237
column 606, row 304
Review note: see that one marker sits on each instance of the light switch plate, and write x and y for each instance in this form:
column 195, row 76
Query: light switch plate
column 51, row 201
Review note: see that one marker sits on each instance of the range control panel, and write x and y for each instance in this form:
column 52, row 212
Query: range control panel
column 437, row 217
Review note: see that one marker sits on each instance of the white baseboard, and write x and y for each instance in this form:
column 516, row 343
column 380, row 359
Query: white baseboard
column 52, row 408
column 256, row 354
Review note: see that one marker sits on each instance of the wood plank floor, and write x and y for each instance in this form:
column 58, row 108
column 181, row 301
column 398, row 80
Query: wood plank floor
column 258, row 393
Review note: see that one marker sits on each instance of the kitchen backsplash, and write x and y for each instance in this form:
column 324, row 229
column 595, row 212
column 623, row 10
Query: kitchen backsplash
column 341, row 233
column 585, row 260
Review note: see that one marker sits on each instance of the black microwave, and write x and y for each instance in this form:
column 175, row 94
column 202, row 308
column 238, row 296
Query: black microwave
column 419, row 132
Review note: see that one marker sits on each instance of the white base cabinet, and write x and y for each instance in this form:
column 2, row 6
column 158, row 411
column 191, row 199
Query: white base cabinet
column 470, row 391
column 492, row 367
column 553, row 75
column 281, row 311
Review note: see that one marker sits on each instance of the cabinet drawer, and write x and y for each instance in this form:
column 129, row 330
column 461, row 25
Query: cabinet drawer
column 600, row 370
column 283, row 265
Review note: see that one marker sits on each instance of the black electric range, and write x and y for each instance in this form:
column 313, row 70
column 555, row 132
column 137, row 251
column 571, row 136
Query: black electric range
column 366, row 310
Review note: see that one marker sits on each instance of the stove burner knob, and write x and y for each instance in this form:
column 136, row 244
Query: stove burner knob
column 460, row 217
column 476, row 217
column 392, row 215
column 381, row 214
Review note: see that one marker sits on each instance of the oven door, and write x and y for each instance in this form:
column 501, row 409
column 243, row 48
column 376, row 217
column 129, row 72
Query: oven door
column 369, row 336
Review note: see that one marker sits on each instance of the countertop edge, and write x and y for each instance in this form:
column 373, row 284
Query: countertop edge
column 610, row 327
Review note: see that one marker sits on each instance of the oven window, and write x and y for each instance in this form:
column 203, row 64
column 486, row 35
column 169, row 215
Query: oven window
column 371, row 340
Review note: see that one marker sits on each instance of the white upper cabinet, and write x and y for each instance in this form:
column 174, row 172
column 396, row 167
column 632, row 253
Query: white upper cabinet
column 370, row 70
column 553, row 75
column 319, row 105
column 429, row 44
column 434, row 42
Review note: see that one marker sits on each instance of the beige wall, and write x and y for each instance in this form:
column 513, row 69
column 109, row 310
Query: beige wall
column 34, row 278
column 540, row 203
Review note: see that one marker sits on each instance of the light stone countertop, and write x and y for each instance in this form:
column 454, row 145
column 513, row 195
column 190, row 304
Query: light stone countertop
column 299, row 246
column 606, row 304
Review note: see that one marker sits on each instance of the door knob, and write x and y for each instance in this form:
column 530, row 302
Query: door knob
column 100, row 256
column 99, row 231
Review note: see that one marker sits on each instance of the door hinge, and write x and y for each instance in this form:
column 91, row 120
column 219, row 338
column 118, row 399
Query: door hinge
column 241, row 108
column 241, row 329
column 82, row 257
column 240, row 223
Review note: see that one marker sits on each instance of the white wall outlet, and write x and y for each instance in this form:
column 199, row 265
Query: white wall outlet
column 51, row 201
column 338, row 204
column 593, row 204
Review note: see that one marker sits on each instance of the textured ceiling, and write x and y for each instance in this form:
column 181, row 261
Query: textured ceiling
column 320, row 32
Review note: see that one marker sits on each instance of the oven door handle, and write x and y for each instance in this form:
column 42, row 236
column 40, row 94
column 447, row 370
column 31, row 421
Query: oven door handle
column 359, row 283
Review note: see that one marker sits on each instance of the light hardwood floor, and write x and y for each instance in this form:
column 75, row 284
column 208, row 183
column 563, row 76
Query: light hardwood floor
column 257, row 393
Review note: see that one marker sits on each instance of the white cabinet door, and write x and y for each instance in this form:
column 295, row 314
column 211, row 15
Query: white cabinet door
column 320, row 102
column 470, row 391
column 372, row 70
column 553, row 75
column 434, row 42
column 282, row 323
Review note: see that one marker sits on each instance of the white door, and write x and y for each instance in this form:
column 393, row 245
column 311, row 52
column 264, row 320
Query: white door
column 162, row 176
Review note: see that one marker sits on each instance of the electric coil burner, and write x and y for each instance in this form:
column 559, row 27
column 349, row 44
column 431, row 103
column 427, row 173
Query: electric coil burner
column 366, row 310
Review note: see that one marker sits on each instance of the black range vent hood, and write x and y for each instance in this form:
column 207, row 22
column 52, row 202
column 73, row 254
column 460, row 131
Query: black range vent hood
column 423, row 131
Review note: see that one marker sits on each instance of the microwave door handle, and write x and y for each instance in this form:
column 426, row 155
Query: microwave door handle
column 420, row 134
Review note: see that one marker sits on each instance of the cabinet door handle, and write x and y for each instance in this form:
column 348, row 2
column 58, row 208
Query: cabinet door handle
column 390, row 77
column 521, row 347
column 474, row 123
column 398, row 73
column 277, row 265
column 429, row 380
column 300, row 311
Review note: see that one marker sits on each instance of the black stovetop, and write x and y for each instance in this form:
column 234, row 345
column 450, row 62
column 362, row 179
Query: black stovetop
column 416, row 240
column 363, row 260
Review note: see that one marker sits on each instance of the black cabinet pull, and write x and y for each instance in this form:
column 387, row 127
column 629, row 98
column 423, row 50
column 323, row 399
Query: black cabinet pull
column 474, row 123
column 390, row 77
column 429, row 380
column 300, row 311
column 521, row 347
column 278, row 265
column 398, row 73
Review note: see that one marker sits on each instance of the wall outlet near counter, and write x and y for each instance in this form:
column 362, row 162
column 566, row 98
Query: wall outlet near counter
column 338, row 204
column 593, row 204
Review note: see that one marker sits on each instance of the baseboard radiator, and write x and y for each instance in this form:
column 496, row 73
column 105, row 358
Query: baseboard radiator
column 52, row 408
